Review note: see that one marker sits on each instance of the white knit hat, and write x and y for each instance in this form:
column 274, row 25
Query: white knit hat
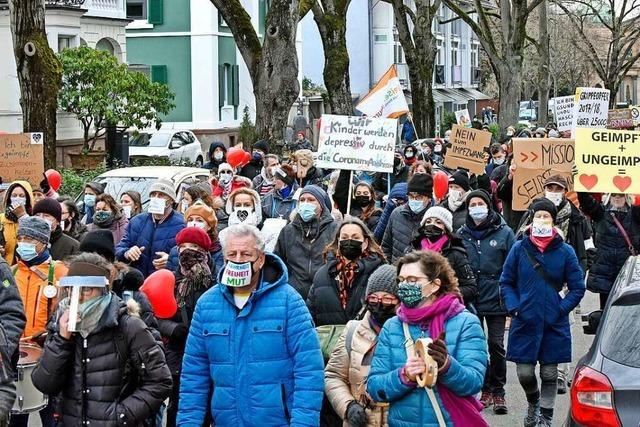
column 440, row 213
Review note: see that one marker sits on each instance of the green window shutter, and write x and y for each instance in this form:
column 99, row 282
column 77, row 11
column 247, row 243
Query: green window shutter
column 221, row 90
column 235, row 90
column 155, row 12
column 159, row 74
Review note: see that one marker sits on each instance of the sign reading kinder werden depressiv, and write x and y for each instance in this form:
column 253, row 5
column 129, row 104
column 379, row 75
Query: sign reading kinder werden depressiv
column 536, row 160
column 357, row 143
column 467, row 149
column 21, row 157
column 608, row 161
column 591, row 108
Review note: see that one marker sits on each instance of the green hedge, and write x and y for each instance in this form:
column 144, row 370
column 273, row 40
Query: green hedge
column 73, row 182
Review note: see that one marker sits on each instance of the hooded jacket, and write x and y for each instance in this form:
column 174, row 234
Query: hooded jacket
column 236, row 182
column 95, row 385
column 262, row 362
column 213, row 163
column 8, row 227
column 233, row 216
column 275, row 205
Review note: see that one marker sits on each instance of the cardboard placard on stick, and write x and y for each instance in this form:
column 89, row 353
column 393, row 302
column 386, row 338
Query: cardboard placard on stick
column 563, row 107
column 536, row 160
column 21, row 157
column 591, row 108
column 620, row 118
column 467, row 149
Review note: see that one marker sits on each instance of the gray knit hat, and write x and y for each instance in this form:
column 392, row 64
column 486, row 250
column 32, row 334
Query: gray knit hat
column 383, row 279
column 34, row 227
column 164, row 186
column 440, row 213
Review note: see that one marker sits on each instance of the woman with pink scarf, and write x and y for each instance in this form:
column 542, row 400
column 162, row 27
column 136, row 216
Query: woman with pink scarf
column 430, row 306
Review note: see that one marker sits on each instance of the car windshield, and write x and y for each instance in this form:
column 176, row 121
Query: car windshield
column 118, row 185
column 617, row 343
column 149, row 140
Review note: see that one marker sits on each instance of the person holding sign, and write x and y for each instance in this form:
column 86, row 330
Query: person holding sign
column 18, row 203
column 536, row 270
column 251, row 338
column 363, row 200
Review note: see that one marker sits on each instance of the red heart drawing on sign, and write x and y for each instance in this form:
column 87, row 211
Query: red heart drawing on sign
column 589, row 181
column 622, row 182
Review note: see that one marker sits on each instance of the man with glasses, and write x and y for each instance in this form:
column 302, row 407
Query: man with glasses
column 252, row 337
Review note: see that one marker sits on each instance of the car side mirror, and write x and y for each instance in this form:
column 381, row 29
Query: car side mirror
column 592, row 321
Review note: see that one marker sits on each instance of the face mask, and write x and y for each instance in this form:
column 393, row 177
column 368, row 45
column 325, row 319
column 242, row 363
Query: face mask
column 26, row 251
column 416, row 205
column 433, row 232
column 381, row 312
column 200, row 225
column 350, row 249
column 185, row 206
column 63, row 225
column 455, row 199
column 157, row 205
column 257, row 156
column 237, row 275
column 437, row 148
column 362, row 201
column 190, row 257
column 541, row 228
column 243, row 216
column 18, row 201
column 102, row 218
column 556, row 198
column 410, row 294
column 90, row 200
column 225, row 178
column 408, row 154
column 126, row 210
column 498, row 161
column 478, row 213
column 307, row 211
column 218, row 155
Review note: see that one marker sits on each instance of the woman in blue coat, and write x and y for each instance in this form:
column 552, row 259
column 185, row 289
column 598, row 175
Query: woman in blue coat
column 536, row 270
column 431, row 306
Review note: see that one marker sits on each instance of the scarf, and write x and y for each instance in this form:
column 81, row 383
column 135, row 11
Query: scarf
column 480, row 231
column 8, row 213
column 40, row 259
column 436, row 246
column 286, row 191
column 563, row 218
column 543, row 242
column 90, row 312
column 463, row 411
column 197, row 274
column 347, row 271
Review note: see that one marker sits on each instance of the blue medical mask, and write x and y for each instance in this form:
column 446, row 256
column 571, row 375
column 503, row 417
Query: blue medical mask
column 90, row 200
column 478, row 213
column 416, row 205
column 307, row 211
column 27, row 251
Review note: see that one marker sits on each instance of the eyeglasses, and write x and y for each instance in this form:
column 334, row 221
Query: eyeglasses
column 412, row 279
column 386, row 300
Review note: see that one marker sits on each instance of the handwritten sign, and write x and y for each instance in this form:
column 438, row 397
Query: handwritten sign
column 356, row 143
column 563, row 106
column 608, row 161
column 536, row 160
column 463, row 118
column 591, row 108
column 21, row 157
column 467, row 149
column 620, row 119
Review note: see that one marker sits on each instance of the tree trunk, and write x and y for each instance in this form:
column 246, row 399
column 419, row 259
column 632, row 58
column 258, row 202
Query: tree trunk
column 613, row 85
column 39, row 74
column 544, row 66
column 509, row 78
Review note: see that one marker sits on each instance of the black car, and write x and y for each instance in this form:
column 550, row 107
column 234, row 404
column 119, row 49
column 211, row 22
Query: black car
column 606, row 384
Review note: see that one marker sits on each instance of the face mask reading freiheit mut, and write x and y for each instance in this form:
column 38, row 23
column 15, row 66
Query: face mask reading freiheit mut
column 237, row 275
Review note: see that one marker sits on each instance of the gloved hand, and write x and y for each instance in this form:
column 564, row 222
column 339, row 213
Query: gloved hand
column 591, row 257
column 44, row 185
column 438, row 350
column 356, row 416
column 180, row 332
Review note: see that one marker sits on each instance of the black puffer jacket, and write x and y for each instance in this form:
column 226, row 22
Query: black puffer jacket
column 400, row 231
column 91, row 377
column 323, row 301
column 341, row 199
column 12, row 321
column 62, row 245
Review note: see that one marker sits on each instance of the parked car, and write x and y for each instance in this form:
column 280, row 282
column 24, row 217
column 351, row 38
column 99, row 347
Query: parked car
column 178, row 146
column 606, row 385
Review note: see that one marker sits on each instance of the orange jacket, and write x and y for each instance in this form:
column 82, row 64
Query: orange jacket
column 31, row 284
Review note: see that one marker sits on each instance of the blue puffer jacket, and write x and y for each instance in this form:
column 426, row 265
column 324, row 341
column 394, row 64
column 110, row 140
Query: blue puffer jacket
column 143, row 231
column 410, row 406
column 264, row 360
column 399, row 191
column 540, row 330
column 487, row 249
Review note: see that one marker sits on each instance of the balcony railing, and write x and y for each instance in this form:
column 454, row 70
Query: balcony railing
column 456, row 74
column 106, row 8
column 76, row 3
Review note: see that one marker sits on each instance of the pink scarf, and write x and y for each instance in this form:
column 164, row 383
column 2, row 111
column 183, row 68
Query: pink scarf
column 463, row 411
column 434, row 246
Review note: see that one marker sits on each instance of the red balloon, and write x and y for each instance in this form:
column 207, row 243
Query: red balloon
column 440, row 184
column 237, row 157
column 636, row 200
column 159, row 288
column 54, row 178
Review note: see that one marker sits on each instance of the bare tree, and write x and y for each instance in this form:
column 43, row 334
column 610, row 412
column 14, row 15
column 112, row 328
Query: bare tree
column 615, row 21
column 39, row 73
column 544, row 64
column 272, row 62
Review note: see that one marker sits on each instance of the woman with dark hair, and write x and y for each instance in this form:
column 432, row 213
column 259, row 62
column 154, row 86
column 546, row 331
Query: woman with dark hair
column 363, row 200
column 131, row 203
column 337, row 293
column 108, row 216
column 19, row 202
column 420, row 166
column 430, row 306
column 193, row 194
column 70, row 224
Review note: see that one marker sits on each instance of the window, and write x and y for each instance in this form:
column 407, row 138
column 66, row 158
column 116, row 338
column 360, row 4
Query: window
column 442, row 16
column 141, row 68
column 456, row 27
column 475, row 62
column 398, row 53
column 380, row 38
column 65, row 42
column 137, row 9
column 454, row 53
column 440, row 53
column 226, row 80
column 228, row 85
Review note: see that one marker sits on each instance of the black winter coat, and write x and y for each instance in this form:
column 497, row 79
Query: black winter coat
column 323, row 301
column 12, row 322
column 314, row 176
column 96, row 386
column 400, row 231
column 251, row 169
column 381, row 180
column 62, row 245
column 341, row 198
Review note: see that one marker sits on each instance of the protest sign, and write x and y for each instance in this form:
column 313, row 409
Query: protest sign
column 620, row 119
column 607, row 161
column 463, row 118
column 563, row 106
column 591, row 108
column 536, row 160
column 467, row 149
column 21, row 157
column 357, row 143
column 635, row 114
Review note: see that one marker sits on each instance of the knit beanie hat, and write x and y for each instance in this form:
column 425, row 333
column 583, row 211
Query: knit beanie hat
column 262, row 145
column 201, row 209
column 480, row 194
column 383, row 279
column 99, row 242
column 96, row 187
column 421, row 183
column 285, row 174
column 135, row 196
column 460, row 178
column 194, row 235
column 48, row 206
column 440, row 213
column 544, row 204
column 34, row 227
column 321, row 196
column 165, row 187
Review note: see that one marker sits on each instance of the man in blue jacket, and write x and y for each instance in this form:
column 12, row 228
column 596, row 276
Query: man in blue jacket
column 151, row 235
column 252, row 354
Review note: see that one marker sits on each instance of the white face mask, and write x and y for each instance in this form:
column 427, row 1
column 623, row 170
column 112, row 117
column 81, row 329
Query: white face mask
column 225, row 178
column 556, row 198
column 62, row 225
column 541, row 227
column 126, row 210
column 243, row 216
column 455, row 198
column 498, row 161
column 218, row 155
column 437, row 148
column 157, row 205
column 18, row 201
column 185, row 206
column 200, row 225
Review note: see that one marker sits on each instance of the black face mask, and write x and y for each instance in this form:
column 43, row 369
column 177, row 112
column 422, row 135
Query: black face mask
column 350, row 249
column 397, row 162
column 381, row 312
column 432, row 232
column 362, row 201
